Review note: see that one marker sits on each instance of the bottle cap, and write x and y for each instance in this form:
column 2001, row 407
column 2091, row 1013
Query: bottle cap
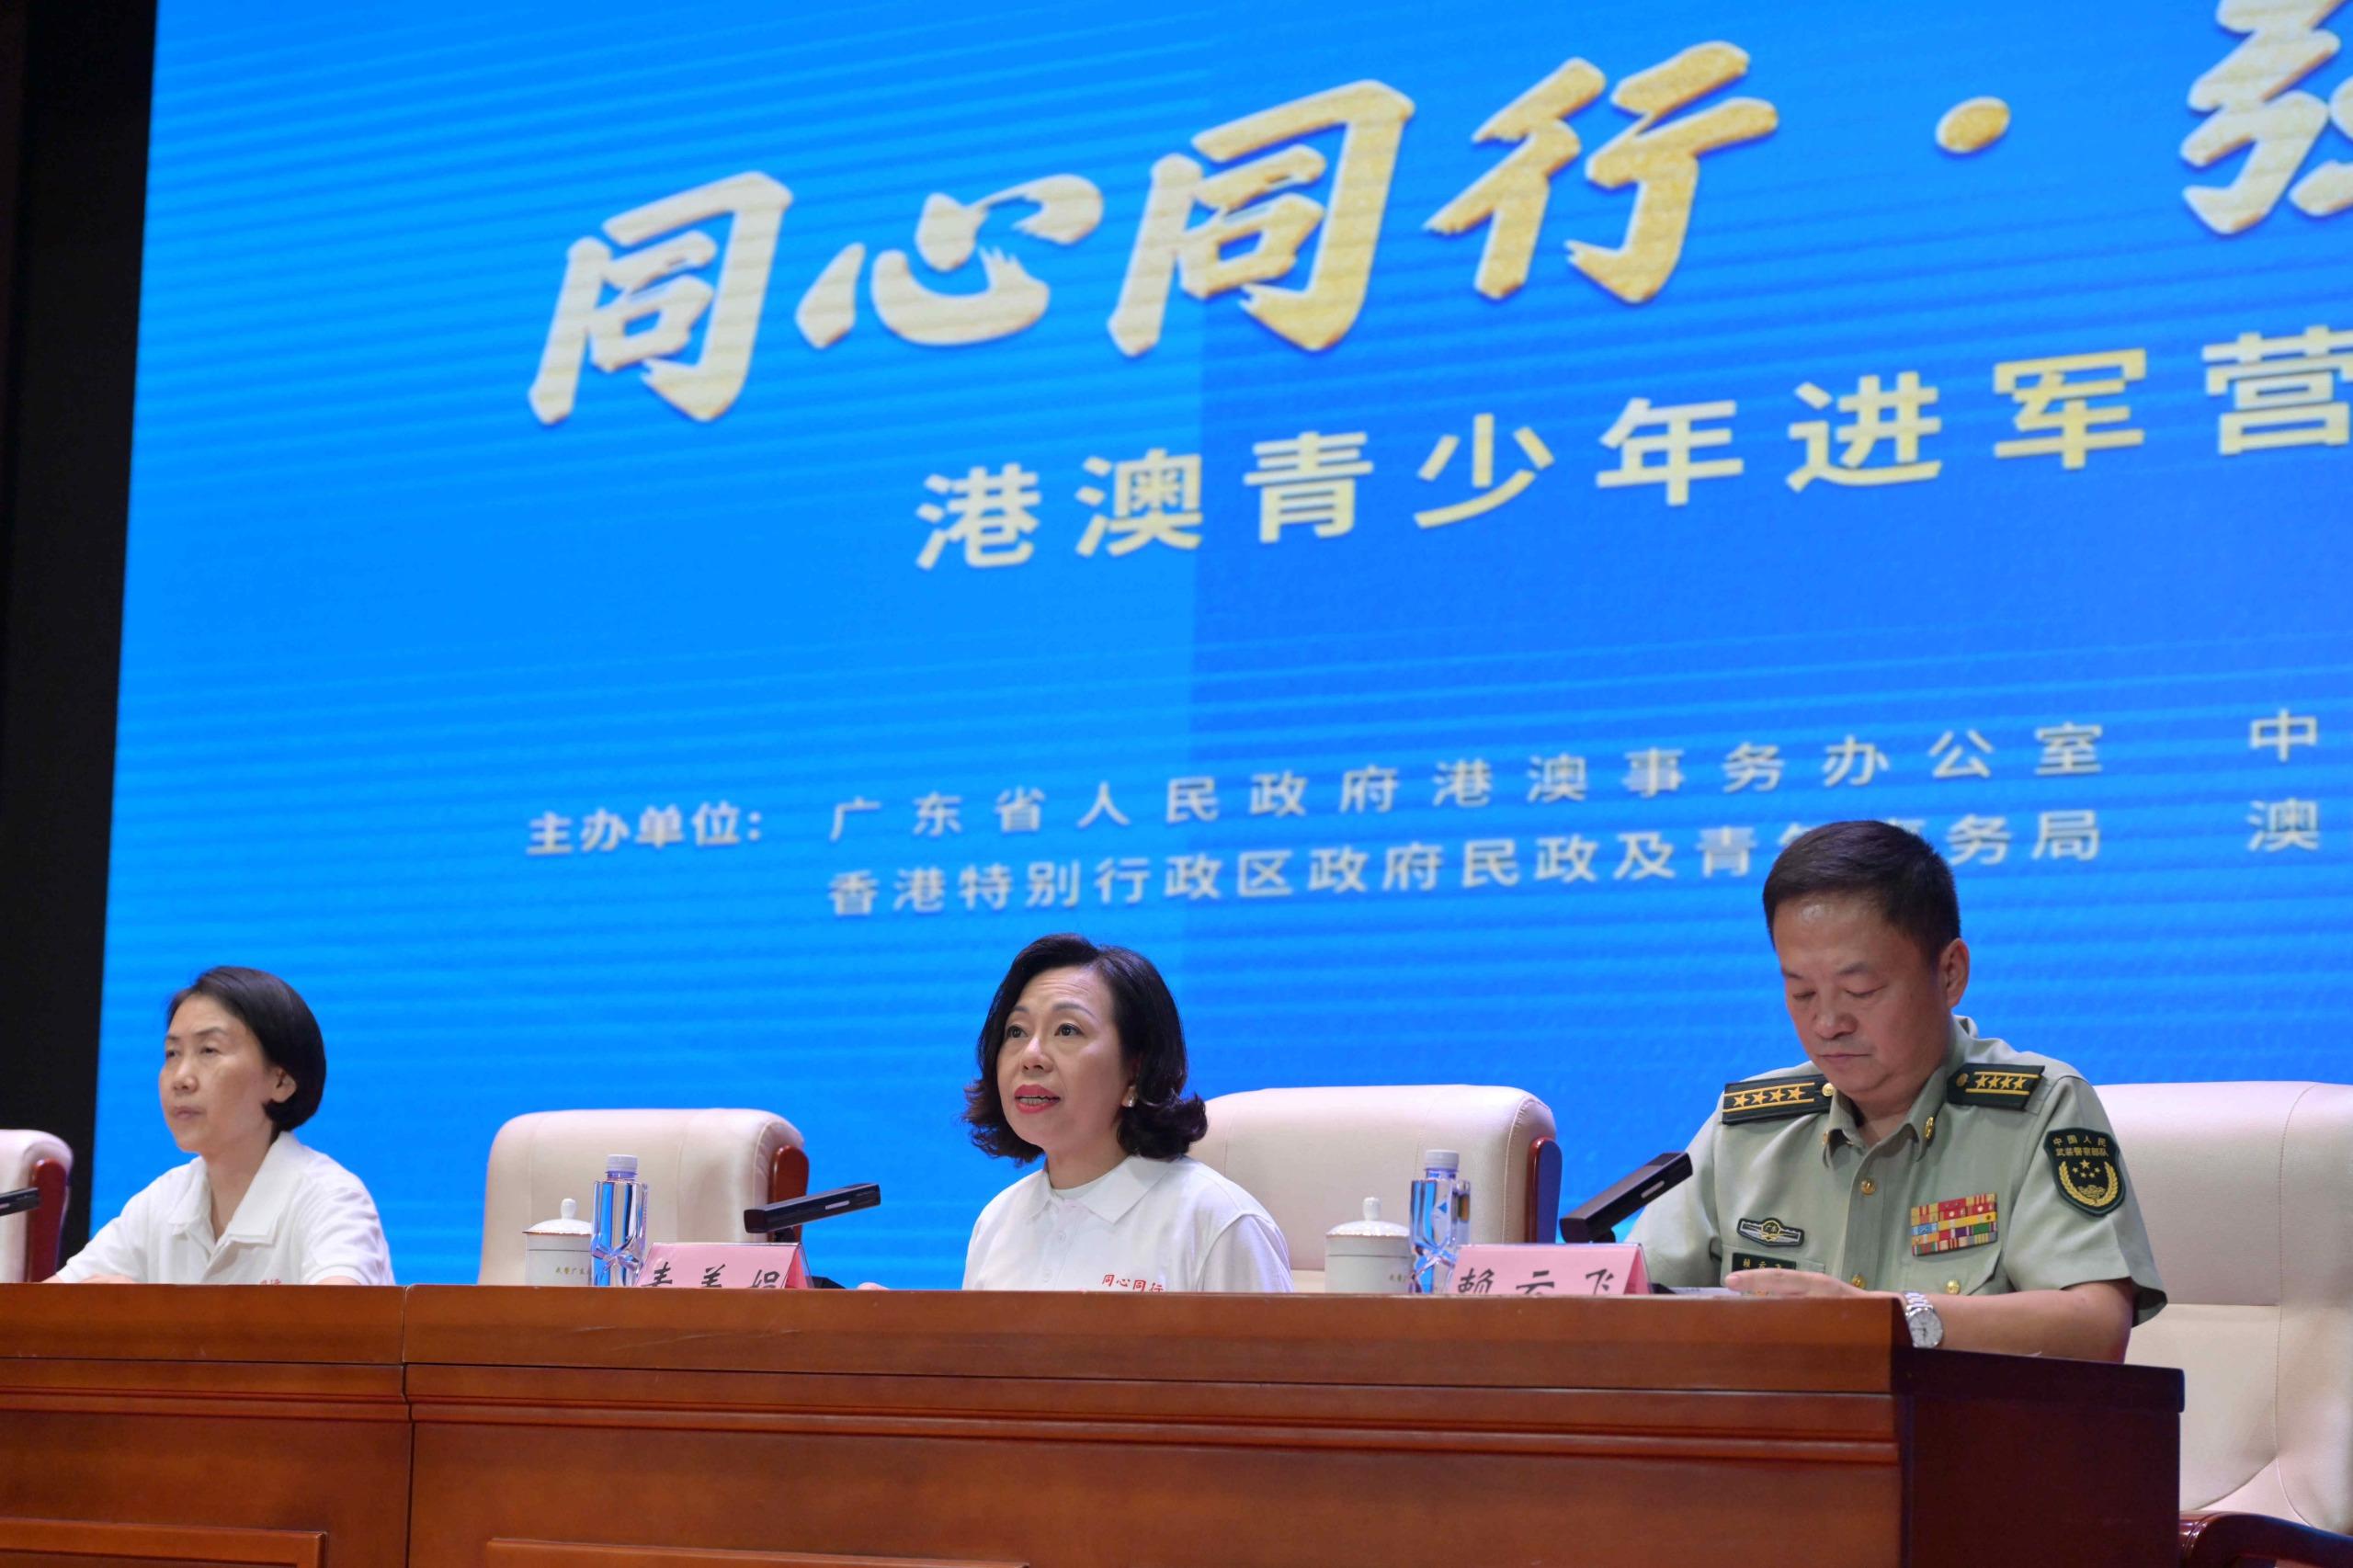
column 620, row 1166
column 1442, row 1160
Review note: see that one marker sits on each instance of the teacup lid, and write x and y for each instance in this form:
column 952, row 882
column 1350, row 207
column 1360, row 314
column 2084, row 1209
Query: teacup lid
column 1373, row 1225
column 568, row 1225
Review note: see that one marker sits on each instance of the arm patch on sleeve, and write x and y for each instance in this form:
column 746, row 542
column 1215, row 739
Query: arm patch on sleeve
column 2084, row 1164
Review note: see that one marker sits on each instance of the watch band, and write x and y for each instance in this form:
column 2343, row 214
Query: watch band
column 1922, row 1319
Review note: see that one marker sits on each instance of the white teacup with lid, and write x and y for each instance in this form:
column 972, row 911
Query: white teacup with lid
column 1372, row 1257
column 555, row 1251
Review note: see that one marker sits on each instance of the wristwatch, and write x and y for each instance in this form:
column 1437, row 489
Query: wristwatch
column 1920, row 1316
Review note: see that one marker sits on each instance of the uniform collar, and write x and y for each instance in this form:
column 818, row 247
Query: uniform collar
column 1926, row 1104
column 264, row 1203
column 1109, row 1195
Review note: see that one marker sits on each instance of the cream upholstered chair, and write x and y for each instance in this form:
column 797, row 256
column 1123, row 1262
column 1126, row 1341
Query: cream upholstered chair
column 2247, row 1189
column 28, row 1241
column 1312, row 1156
column 702, row 1169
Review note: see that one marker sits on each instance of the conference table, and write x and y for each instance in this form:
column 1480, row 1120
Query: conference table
column 448, row 1426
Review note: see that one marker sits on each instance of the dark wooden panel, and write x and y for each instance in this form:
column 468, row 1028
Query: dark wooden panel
column 318, row 1391
column 39, row 1543
column 237, row 1468
column 1077, row 1502
column 2102, row 1479
column 124, row 1406
column 219, row 1322
column 1766, row 1346
column 1085, row 1431
column 581, row 1555
column 1831, row 1429
column 550, row 1428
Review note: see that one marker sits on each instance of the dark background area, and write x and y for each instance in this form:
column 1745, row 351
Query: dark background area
column 75, row 78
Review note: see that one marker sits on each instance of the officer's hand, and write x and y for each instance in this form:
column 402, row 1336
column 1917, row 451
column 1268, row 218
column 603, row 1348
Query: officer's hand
column 1788, row 1282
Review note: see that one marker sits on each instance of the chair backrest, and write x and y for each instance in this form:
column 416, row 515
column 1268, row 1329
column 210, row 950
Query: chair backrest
column 1312, row 1156
column 702, row 1169
column 28, row 1241
column 2247, row 1189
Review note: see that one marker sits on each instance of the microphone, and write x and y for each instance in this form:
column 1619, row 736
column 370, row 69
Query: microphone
column 22, row 1200
column 1593, row 1219
column 782, row 1220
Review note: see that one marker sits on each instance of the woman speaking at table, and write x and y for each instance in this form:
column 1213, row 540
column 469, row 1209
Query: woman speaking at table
column 244, row 1065
column 1082, row 1060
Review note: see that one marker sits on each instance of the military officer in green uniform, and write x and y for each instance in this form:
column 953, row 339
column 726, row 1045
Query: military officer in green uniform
column 1912, row 1157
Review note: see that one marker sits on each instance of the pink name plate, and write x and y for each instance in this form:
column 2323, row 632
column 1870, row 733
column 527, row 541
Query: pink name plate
column 1539, row 1269
column 725, row 1265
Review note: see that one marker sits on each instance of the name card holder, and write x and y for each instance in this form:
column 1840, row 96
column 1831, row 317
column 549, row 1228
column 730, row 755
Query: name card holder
column 1542, row 1268
column 724, row 1265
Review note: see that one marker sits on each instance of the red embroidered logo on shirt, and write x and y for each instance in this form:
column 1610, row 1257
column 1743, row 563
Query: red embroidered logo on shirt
column 1112, row 1283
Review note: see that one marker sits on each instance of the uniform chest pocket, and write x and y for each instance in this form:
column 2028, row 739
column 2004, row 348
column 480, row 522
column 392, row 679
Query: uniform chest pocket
column 1955, row 1247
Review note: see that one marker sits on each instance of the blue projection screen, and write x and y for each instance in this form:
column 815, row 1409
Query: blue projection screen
column 665, row 547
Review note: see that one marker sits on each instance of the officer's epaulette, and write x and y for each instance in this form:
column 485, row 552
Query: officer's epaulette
column 2009, row 1087
column 1774, row 1099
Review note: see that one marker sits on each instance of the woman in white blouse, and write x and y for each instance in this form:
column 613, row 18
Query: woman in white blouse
column 1082, row 1060
column 244, row 1065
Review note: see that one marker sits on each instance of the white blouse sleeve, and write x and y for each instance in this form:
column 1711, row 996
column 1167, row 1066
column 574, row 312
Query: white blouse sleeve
column 341, row 1236
column 1248, row 1255
column 120, row 1247
column 988, row 1233
column 973, row 1253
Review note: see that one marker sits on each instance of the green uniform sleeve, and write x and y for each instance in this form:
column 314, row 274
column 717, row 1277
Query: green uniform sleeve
column 2077, row 1218
column 1677, row 1233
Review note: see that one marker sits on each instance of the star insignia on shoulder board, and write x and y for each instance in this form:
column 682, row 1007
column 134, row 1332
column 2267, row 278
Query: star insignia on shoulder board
column 2009, row 1089
column 1774, row 1101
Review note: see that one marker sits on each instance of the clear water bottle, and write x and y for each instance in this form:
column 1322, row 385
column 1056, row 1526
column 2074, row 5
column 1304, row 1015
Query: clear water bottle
column 616, row 1244
column 1440, row 1221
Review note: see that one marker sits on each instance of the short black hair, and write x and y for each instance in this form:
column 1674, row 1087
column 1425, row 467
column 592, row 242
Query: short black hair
column 1165, row 1121
column 1896, row 871
column 281, row 1021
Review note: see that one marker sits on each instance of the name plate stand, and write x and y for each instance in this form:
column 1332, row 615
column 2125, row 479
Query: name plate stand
column 1541, row 1268
column 724, row 1265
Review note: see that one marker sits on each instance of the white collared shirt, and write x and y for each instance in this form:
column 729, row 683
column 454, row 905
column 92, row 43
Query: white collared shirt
column 303, row 1220
column 1144, row 1225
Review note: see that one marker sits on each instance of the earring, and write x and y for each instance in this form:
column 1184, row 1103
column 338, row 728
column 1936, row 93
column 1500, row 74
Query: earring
column 1130, row 1099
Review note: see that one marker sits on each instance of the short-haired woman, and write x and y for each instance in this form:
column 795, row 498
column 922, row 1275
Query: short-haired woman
column 1082, row 1060
column 244, row 1065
